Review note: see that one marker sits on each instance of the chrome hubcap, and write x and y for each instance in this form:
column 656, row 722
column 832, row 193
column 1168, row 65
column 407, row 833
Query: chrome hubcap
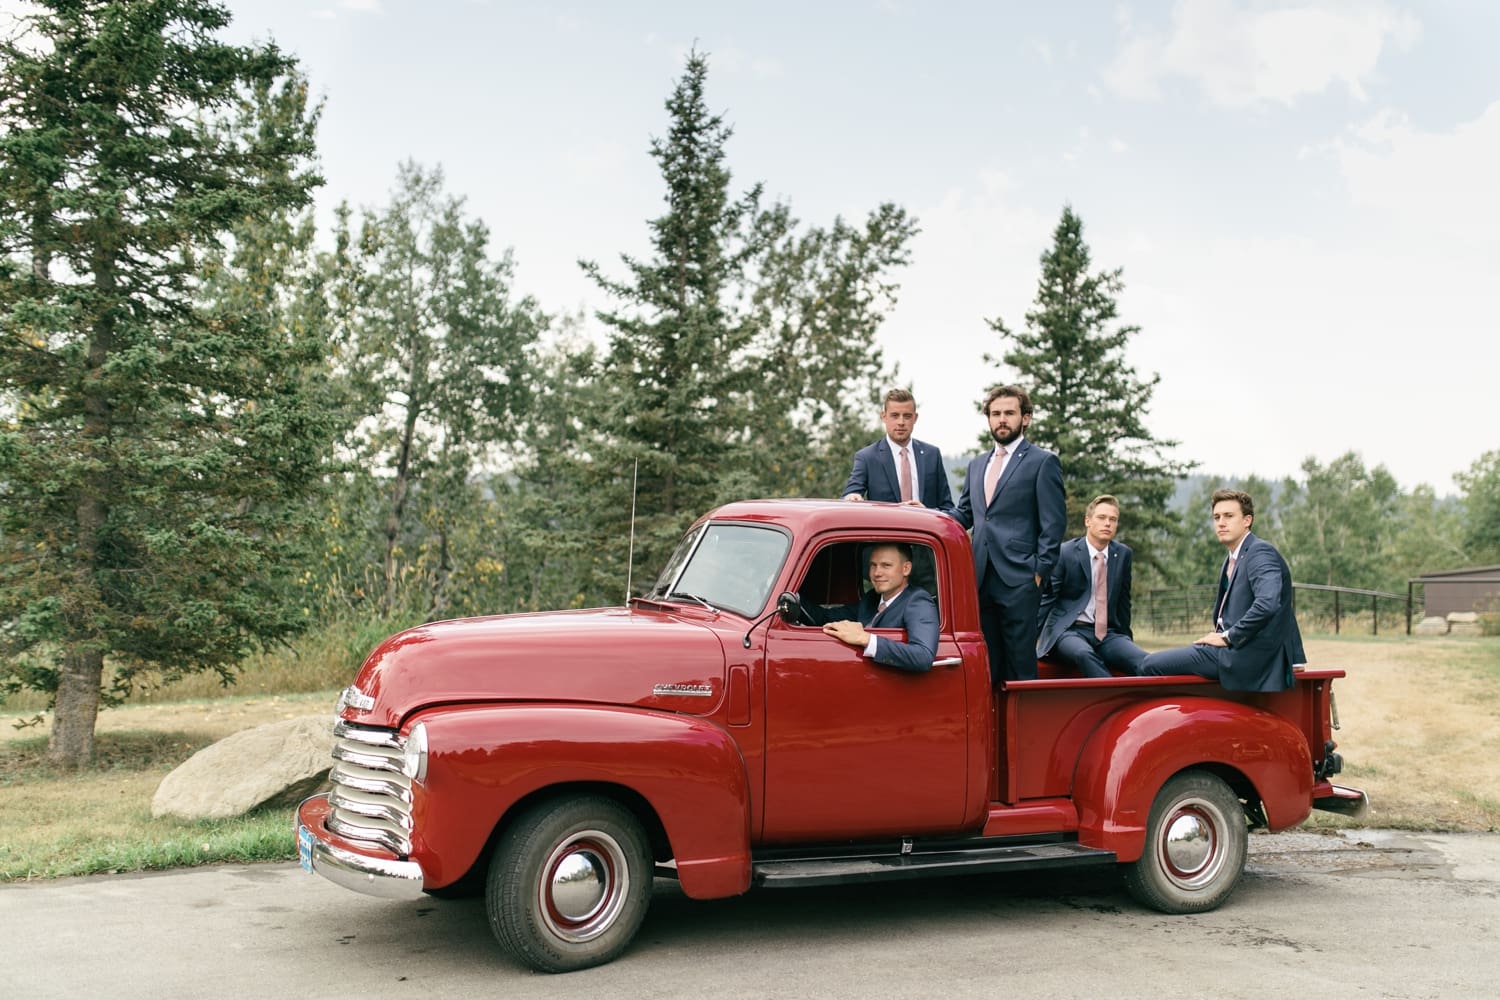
column 583, row 886
column 1189, row 847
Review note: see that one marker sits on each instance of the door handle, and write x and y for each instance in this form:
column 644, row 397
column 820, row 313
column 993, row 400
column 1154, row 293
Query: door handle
column 950, row 661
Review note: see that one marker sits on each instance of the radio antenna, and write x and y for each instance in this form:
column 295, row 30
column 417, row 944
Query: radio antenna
column 635, row 476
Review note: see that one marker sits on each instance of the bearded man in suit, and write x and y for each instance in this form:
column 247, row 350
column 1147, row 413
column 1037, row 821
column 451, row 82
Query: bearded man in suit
column 1086, row 617
column 1013, row 500
column 1255, row 644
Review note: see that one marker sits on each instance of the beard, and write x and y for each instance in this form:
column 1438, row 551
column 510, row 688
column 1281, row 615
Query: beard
column 1004, row 438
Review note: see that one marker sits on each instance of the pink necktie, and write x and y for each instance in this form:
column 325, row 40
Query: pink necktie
column 905, row 476
column 992, row 475
column 1101, row 600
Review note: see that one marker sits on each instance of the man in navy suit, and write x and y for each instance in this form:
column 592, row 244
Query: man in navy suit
column 1013, row 500
column 1255, row 642
column 878, row 469
column 890, row 604
column 1086, row 617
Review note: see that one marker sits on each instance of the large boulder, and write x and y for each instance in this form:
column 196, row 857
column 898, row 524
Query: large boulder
column 1432, row 625
column 1464, row 623
column 277, row 764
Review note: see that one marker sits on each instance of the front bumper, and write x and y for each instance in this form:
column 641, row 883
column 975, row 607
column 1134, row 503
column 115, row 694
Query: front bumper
column 1349, row 802
column 352, row 864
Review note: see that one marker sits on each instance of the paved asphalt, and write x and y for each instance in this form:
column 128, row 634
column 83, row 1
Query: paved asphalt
column 1369, row 914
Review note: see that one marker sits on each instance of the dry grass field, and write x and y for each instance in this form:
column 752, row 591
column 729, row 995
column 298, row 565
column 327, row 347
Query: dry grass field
column 1421, row 728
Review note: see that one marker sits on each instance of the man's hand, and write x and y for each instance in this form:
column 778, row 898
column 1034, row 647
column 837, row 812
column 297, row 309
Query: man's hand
column 851, row 632
column 854, row 496
column 1212, row 639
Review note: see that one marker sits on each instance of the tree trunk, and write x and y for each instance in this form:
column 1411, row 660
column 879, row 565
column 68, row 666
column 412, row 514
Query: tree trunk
column 71, row 744
column 77, row 709
column 397, row 512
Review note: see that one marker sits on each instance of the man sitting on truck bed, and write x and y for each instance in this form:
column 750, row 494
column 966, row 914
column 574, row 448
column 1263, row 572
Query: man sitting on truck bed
column 890, row 604
column 1255, row 642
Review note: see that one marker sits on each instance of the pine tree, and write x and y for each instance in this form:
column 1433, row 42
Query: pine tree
column 677, row 373
column 151, row 442
column 1090, row 405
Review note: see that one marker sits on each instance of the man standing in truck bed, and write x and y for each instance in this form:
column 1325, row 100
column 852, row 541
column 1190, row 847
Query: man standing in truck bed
column 898, row 468
column 1255, row 641
column 1013, row 500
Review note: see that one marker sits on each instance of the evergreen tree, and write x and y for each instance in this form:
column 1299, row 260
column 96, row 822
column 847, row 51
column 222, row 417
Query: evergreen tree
column 677, row 374
column 741, row 359
column 1090, row 405
column 152, row 442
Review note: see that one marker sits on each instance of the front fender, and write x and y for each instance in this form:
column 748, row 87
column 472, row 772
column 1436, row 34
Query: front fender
column 482, row 760
column 1135, row 750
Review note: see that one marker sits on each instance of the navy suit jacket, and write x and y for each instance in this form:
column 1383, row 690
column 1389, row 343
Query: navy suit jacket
column 1073, row 590
column 874, row 475
column 1018, row 534
column 913, row 610
column 1264, row 641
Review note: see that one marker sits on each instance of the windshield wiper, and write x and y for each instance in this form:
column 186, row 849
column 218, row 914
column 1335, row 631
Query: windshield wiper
column 693, row 597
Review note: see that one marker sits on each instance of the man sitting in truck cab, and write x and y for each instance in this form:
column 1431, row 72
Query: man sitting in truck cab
column 891, row 603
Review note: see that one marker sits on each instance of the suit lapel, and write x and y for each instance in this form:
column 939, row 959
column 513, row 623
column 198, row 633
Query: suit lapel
column 1112, row 562
column 886, row 462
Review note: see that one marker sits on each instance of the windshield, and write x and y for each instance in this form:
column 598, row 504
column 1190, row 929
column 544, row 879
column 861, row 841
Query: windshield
column 730, row 566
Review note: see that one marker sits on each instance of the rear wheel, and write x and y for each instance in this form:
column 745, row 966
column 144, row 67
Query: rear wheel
column 1196, row 842
column 569, row 884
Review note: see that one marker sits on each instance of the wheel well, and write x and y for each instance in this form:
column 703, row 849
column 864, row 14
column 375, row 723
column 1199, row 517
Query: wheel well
column 1241, row 785
column 656, row 834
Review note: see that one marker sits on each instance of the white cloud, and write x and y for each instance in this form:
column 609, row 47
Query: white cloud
column 1267, row 53
column 1438, row 183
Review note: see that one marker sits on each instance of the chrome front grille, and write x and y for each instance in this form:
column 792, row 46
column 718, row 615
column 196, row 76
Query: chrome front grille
column 371, row 796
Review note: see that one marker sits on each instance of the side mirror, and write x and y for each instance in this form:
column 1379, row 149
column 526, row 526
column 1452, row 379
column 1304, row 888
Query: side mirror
column 789, row 607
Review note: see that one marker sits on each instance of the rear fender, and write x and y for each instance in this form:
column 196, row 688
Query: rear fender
column 1136, row 749
column 483, row 760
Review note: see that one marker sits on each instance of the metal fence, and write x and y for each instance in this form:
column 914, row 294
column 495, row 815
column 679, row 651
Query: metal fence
column 1319, row 609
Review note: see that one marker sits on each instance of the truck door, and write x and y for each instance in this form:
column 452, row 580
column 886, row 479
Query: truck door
column 856, row 749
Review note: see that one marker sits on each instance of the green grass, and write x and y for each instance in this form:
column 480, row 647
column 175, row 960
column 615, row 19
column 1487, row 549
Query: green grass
column 56, row 823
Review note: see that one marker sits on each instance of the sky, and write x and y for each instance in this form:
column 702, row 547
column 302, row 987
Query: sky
column 1301, row 195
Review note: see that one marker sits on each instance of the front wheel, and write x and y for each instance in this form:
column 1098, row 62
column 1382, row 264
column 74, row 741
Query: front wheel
column 569, row 884
column 1196, row 842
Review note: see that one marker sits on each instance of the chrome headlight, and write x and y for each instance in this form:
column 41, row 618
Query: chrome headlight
column 414, row 754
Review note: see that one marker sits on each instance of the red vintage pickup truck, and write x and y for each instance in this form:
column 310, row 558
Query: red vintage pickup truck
column 563, row 760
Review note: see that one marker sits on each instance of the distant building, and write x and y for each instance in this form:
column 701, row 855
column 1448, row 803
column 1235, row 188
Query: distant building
column 1474, row 589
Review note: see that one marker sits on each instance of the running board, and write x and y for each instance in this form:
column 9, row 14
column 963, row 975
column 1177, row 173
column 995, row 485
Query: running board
column 795, row 872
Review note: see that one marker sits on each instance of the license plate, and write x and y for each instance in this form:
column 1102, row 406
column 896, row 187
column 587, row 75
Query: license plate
column 304, row 847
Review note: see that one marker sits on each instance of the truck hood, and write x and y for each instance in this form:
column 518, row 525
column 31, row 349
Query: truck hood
column 618, row 656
